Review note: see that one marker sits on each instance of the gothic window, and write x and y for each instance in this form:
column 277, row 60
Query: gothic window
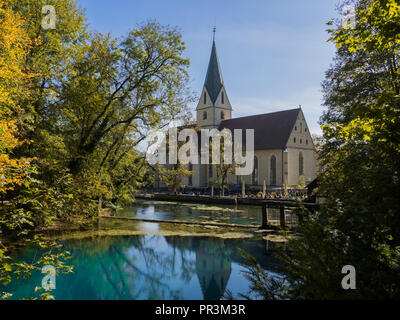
column 301, row 164
column 254, row 177
column 222, row 97
column 294, row 140
column 190, row 177
column 301, row 126
column 273, row 171
column 295, row 128
column 306, row 141
column 205, row 115
column 305, row 130
column 222, row 115
column 205, row 98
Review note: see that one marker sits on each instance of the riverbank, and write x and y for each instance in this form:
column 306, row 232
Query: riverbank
column 204, row 199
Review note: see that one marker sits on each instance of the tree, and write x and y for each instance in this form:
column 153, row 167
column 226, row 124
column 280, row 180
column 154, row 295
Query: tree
column 93, row 100
column 360, row 161
column 13, row 50
column 302, row 182
column 73, row 107
column 173, row 177
column 222, row 168
column 17, row 216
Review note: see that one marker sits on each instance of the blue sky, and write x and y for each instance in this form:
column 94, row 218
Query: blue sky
column 273, row 53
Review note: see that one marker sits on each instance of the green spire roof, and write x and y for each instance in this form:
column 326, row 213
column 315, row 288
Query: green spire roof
column 214, row 82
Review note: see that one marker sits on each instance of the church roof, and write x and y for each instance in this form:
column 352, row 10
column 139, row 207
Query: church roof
column 271, row 130
column 214, row 82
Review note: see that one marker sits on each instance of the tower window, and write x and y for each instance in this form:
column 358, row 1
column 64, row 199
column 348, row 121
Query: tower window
column 205, row 115
column 205, row 98
column 306, row 141
column 222, row 97
column 305, row 130
column 222, row 115
column 294, row 140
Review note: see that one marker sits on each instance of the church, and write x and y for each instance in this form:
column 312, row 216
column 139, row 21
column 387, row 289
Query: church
column 283, row 147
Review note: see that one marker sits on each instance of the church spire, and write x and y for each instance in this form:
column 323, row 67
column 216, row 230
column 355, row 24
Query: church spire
column 214, row 81
column 214, row 105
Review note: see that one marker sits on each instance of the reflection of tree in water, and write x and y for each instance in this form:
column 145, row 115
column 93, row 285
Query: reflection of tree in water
column 136, row 268
column 142, row 267
column 149, row 267
column 182, row 248
column 111, row 268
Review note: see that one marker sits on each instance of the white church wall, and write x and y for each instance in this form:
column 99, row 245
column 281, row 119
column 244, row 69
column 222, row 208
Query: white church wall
column 309, row 165
column 264, row 169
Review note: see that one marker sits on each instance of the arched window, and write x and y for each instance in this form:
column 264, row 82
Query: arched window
column 205, row 115
column 222, row 97
column 301, row 164
column 190, row 177
column 205, row 98
column 273, row 171
column 294, row 139
column 254, row 177
column 222, row 115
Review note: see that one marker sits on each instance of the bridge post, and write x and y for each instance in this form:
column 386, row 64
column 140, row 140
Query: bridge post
column 264, row 215
column 282, row 215
column 300, row 217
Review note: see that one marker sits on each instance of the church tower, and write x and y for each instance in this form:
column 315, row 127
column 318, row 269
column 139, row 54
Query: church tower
column 214, row 105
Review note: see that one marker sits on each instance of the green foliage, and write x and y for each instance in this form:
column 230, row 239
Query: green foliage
column 172, row 176
column 54, row 255
column 302, row 182
column 262, row 284
column 222, row 168
column 82, row 101
column 360, row 162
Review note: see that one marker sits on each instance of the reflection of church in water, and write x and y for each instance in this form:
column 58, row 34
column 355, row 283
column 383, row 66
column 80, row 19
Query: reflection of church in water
column 213, row 268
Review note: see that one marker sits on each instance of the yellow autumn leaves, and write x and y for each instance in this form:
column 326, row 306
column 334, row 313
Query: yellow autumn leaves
column 14, row 45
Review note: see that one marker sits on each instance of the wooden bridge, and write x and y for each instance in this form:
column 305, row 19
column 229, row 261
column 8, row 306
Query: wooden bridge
column 265, row 204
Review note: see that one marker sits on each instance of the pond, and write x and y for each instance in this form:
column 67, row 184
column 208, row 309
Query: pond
column 127, row 260
column 158, row 210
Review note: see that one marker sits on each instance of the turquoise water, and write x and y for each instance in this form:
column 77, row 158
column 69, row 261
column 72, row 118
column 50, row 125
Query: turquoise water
column 248, row 215
column 158, row 263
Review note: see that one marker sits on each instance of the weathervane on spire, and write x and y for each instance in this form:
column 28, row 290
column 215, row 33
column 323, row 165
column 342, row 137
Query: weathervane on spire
column 214, row 31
